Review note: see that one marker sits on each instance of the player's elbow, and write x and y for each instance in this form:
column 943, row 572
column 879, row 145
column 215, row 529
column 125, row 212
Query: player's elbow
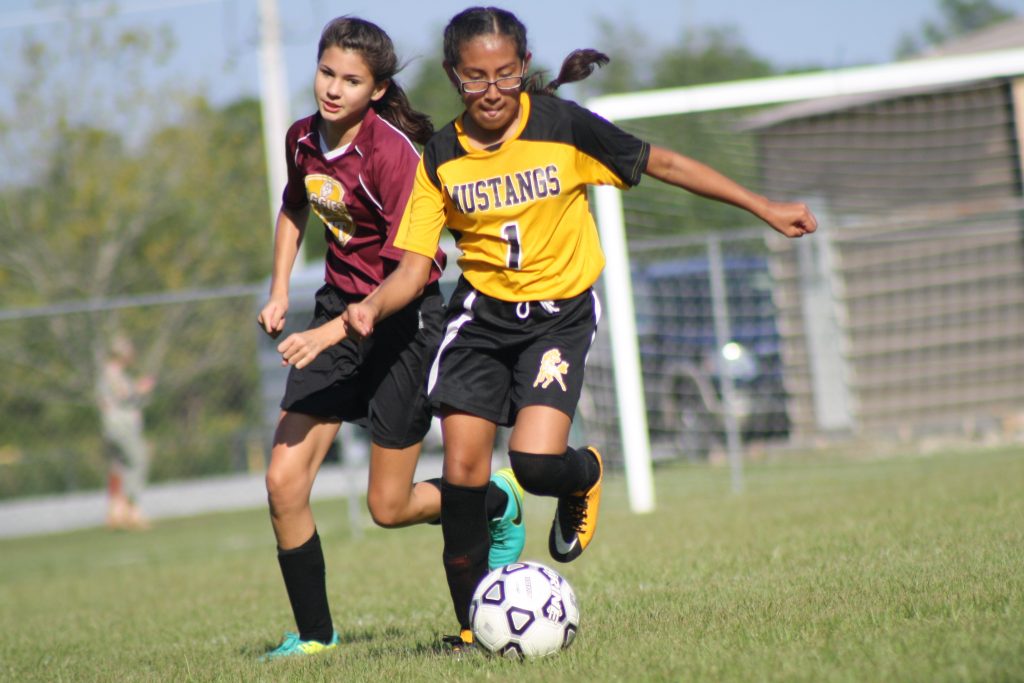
column 663, row 164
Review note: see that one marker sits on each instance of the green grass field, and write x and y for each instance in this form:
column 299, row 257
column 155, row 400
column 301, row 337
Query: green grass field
column 900, row 569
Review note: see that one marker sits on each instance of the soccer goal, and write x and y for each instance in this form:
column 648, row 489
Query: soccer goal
column 884, row 317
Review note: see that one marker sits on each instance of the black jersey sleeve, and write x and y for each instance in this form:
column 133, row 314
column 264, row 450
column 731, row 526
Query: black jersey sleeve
column 622, row 152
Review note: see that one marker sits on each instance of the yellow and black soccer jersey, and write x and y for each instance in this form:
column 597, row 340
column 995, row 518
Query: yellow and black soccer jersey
column 519, row 212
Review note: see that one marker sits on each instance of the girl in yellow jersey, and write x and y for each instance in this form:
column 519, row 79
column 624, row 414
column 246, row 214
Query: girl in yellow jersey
column 509, row 179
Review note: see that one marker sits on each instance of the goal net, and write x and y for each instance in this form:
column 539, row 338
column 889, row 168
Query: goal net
column 902, row 318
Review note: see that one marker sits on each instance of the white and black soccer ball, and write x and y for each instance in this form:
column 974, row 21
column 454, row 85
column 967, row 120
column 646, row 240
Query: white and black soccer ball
column 524, row 611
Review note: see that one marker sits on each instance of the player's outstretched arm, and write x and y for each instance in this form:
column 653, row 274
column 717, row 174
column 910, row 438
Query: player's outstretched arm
column 291, row 225
column 791, row 219
column 395, row 293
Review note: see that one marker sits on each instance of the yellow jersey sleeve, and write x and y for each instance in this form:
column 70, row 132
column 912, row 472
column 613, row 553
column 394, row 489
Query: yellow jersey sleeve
column 424, row 217
column 519, row 210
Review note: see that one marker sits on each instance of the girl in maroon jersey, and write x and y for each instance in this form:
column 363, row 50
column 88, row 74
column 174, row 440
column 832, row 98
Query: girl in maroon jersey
column 352, row 163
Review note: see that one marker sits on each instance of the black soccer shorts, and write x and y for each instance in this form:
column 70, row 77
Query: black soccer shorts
column 379, row 383
column 498, row 357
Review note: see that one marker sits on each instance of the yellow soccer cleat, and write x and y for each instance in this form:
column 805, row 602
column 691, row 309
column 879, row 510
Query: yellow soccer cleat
column 576, row 518
column 460, row 645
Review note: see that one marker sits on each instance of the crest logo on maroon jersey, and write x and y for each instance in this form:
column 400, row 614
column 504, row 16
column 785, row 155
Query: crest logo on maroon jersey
column 326, row 197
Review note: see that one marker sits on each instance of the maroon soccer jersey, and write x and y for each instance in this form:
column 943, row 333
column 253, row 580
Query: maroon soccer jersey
column 359, row 193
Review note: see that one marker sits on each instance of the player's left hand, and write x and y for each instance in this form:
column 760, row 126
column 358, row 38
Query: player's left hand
column 791, row 219
column 301, row 348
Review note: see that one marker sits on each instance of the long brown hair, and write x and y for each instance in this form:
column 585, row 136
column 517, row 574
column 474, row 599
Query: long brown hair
column 377, row 50
column 480, row 21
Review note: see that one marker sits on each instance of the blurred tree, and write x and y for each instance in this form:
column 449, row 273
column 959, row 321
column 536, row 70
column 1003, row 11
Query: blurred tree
column 710, row 55
column 958, row 17
column 701, row 56
column 630, row 68
column 430, row 91
column 122, row 185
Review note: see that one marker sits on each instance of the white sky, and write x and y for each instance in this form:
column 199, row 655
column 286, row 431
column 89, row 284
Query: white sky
column 218, row 38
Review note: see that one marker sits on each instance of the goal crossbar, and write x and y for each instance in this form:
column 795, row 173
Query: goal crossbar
column 817, row 85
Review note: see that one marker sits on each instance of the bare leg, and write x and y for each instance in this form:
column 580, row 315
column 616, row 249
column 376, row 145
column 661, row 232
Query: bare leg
column 540, row 429
column 301, row 443
column 468, row 443
column 117, row 504
column 394, row 500
column 137, row 452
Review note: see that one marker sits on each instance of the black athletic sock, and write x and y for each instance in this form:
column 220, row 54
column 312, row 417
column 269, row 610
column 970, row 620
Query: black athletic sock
column 466, row 543
column 555, row 475
column 305, row 579
column 497, row 501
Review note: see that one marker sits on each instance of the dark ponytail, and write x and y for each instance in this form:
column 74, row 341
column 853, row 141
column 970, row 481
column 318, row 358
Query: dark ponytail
column 395, row 108
column 577, row 66
column 479, row 21
column 377, row 50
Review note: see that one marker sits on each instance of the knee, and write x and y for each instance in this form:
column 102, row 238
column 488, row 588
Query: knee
column 384, row 512
column 467, row 469
column 284, row 491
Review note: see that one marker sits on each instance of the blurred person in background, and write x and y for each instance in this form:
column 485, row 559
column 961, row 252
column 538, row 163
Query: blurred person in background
column 122, row 396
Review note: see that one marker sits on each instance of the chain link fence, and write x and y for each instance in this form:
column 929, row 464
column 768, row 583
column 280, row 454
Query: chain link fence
column 709, row 349
column 202, row 416
column 903, row 335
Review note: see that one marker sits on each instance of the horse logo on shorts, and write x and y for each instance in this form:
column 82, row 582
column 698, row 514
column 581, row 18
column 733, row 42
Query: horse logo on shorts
column 552, row 369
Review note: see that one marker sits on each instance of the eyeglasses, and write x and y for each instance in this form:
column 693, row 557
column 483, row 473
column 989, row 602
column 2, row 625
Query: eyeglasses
column 476, row 87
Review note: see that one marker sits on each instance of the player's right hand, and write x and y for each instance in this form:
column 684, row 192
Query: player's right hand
column 359, row 319
column 791, row 219
column 272, row 318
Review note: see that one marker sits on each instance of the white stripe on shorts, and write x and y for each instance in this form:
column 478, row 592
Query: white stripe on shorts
column 597, row 321
column 449, row 335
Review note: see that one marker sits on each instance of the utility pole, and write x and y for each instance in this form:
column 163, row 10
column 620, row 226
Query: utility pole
column 273, row 103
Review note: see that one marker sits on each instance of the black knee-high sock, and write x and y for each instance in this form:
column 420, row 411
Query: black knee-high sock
column 466, row 543
column 555, row 475
column 305, row 579
column 497, row 501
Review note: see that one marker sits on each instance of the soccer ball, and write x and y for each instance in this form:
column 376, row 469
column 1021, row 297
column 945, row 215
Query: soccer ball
column 524, row 611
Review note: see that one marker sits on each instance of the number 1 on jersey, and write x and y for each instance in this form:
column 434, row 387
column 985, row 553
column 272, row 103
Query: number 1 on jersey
column 514, row 255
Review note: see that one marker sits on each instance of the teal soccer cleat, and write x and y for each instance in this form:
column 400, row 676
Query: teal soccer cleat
column 508, row 532
column 293, row 646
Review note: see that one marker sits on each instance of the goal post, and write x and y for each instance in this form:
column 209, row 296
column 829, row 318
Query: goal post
column 628, row 377
column 924, row 73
